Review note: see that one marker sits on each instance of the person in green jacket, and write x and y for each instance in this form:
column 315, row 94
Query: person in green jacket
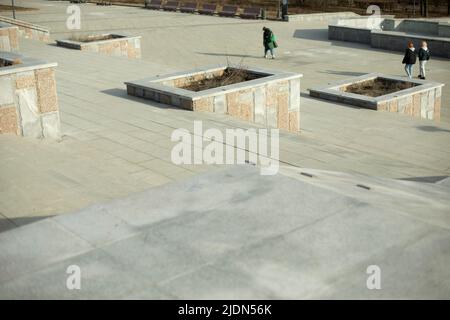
column 269, row 43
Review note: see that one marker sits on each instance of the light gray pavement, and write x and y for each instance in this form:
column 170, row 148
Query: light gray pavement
column 236, row 234
column 115, row 146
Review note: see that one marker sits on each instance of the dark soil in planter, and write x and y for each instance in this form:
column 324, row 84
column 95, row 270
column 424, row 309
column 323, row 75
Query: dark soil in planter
column 8, row 63
column 377, row 87
column 229, row 76
column 93, row 38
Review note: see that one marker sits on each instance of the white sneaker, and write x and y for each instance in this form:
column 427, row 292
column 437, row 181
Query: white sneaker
column 273, row 57
column 266, row 56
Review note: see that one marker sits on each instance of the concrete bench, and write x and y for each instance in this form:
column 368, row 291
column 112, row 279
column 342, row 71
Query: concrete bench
column 171, row 6
column 208, row 9
column 228, row 11
column 189, row 7
column 251, row 13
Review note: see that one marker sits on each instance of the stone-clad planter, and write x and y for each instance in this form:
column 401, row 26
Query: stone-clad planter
column 9, row 37
column 422, row 100
column 272, row 100
column 28, row 101
column 28, row 30
column 112, row 45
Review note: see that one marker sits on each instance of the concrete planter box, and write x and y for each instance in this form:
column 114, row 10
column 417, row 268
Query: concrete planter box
column 9, row 37
column 423, row 100
column 28, row 100
column 272, row 100
column 118, row 45
column 29, row 30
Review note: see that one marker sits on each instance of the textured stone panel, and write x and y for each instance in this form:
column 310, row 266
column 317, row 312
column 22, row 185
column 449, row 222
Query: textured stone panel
column 51, row 125
column 272, row 117
column 430, row 105
column 186, row 104
column 46, row 89
column 25, row 80
column 437, row 109
column 4, row 43
column 246, row 104
column 164, row 98
column 204, row 104
column 416, row 105
column 393, row 106
column 8, row 120
column 233, row 105
column 260, row 105
column 294, row 95
column 294, row 121
column 382, row 106
column 29, row 113
column 6, row 91
column 283, row 109
column 220, row 104
column 14, row 39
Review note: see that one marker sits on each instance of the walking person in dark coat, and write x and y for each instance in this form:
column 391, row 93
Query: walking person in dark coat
column 424, row 56
column 269, row 42
column 409, row 60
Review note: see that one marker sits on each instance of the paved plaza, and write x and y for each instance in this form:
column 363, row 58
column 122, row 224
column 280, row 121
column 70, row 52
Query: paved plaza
column 117, row 205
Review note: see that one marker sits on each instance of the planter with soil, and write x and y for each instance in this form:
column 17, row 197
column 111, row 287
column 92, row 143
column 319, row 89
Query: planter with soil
column 108, row 44
column 265, row 97
column 417, row 98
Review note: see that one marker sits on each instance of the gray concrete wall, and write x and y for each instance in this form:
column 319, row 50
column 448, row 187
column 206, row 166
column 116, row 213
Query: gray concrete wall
column 343, row 33
column 330, row 16
column 444, row 30
column 398, row 42
column 419, row 26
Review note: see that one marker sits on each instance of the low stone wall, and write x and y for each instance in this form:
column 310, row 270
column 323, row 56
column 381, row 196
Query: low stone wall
column 28, row 100
column 421, row 101
column 390, row 34
column 344, row 33
column 444, row 29
column 418, row 26
column 9, row 37
column 122, row 46
column 327, row 16
column 272, row 100
column 29, row 30
column 397, row 41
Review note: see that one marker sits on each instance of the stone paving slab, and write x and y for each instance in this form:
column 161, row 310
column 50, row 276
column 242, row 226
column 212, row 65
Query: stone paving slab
column 281, row 236
column 116, row 147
